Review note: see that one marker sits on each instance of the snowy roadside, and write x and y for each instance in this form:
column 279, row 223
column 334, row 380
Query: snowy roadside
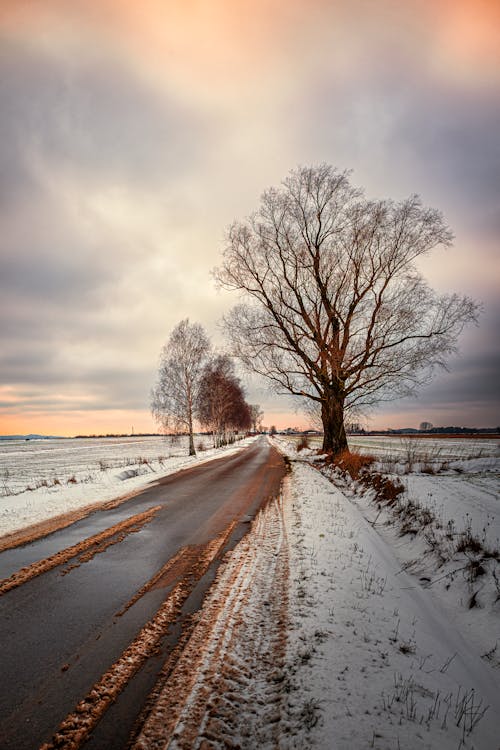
column 314, row 636
column 376, row 662
column 67, row 476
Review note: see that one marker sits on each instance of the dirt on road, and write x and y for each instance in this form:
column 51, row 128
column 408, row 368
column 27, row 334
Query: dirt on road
column 226, row 685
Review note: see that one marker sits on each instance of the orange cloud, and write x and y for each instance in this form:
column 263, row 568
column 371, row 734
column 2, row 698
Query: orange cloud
column 467, row 37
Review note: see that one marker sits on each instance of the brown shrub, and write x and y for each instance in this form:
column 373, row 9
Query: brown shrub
column 357, row 466
column 387, row 490
column 352, row 463
column 303, row 443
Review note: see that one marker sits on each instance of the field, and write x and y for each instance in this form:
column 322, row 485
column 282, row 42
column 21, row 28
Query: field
column 455, row 478
column 40, row 479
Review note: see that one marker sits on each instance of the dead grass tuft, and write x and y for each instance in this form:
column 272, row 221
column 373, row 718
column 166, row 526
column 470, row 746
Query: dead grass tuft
column 303, row 443
column 387, row 490
column 353, row 464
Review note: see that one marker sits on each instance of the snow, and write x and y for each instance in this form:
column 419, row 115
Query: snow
column 444, row 447
column 328, row 626
column 41, row 479
column 372, row 656
column 377, row 660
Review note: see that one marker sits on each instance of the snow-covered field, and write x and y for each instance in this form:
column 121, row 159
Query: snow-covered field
column 445, row 448
column 41, row 479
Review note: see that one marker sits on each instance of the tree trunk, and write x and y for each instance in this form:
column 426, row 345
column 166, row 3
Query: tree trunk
column 332, row 416
column 192, row 451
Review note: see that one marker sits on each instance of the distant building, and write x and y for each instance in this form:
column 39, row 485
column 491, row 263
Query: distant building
column 354, row 428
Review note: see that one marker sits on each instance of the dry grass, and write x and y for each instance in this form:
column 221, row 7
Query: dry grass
column 303, row 443
column 350, row 463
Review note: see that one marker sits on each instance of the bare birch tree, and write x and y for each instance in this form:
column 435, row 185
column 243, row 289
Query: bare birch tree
column 175, row 396
column 336, row 311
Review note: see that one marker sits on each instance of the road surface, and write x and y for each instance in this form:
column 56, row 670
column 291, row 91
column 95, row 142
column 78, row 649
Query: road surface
column 91, row 626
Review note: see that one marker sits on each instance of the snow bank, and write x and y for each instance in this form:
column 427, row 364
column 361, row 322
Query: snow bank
column 375, row 662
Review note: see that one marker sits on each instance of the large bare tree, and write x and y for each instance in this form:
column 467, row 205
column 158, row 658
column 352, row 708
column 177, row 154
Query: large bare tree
column 175, row 396
column 336, row 310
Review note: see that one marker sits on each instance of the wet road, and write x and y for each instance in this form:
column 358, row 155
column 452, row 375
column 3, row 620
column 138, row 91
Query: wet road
column 61, row 630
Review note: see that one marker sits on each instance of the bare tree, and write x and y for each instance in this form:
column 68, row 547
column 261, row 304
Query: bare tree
column 221, row 401
column 182, row 360
column 256, row 415
column 336, row 310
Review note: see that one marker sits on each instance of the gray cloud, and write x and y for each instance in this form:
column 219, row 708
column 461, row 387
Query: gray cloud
column 471, row 387
column 393, row 126
column 472, row 378
column 42, row 382
column 62, row 266
column 456, row 153
column 50, row 277
column 90, row 115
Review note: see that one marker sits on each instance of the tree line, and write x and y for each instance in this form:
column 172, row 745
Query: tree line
column 197, row 384
column 333, row 310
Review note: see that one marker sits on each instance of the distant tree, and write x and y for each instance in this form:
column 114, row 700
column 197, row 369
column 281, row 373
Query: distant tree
column 256, row 414
column 425, row 426
column 273, row 430
column 336, row 311
column 175, row 396
column 221, row 404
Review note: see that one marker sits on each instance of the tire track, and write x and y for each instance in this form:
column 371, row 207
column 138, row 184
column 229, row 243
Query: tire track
column 226, row 688
column 76, row 727
column 87, row 548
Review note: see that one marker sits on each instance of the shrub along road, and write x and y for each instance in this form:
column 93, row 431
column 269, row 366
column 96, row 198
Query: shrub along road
column 100, row 606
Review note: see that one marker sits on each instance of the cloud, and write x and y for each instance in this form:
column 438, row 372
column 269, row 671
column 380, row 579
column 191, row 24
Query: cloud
column 132, row 134
column 90, row 157
column 89, row 116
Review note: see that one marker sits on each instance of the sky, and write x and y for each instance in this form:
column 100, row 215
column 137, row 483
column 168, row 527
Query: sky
column 133, row 134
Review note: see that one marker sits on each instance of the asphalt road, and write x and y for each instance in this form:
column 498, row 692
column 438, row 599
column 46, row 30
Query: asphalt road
column 60, row 631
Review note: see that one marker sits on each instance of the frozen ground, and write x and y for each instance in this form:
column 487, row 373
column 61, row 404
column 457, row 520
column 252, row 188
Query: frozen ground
column 41, row 479
column 422, row 448
column 366, row 652
column 343, row 623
